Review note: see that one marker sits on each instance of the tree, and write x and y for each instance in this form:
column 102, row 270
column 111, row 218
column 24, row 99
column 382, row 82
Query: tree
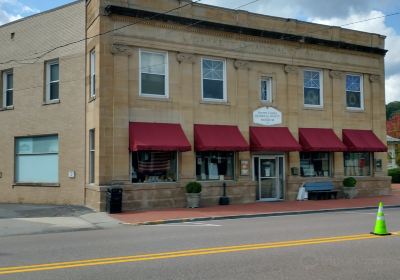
column 392, row 108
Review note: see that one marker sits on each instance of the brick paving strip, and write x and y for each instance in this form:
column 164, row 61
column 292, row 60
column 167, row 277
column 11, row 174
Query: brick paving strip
column 258, row 209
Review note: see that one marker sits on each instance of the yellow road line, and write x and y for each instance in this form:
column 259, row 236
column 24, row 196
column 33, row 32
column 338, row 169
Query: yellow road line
column 183, row 253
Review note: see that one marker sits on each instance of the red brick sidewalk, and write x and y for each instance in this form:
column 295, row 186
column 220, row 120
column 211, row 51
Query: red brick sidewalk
column 253, row 209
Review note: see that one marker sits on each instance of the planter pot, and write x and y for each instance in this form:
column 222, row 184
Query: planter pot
column 349, row 192
column 193, row 200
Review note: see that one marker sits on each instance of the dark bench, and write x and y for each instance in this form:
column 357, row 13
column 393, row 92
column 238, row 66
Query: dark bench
column 320, row 190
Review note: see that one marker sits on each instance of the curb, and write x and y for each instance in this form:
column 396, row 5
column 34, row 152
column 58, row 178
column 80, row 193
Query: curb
column 258, row 215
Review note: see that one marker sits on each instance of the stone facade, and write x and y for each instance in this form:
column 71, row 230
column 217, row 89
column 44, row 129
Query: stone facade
column 26, row 46
column 252, row 46
column 247, row 58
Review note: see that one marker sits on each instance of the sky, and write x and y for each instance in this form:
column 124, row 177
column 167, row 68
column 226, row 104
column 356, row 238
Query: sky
column 338, row 12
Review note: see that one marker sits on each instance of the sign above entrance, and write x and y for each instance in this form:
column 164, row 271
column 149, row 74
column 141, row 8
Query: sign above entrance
column 267, row 116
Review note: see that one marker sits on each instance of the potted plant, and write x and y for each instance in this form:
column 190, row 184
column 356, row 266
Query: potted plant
column 349, row 187
column 193, row 194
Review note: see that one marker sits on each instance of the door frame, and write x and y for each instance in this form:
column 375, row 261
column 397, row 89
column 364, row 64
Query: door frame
column 269, row 156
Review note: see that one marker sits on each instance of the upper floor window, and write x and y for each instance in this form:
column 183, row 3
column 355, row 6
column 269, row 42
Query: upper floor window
column 266, row 89
column 313, row 96
column 52, row 81
column 8, row 88
column 153, row 73
column 354, row 92
column 92, row 73
column 213, row 79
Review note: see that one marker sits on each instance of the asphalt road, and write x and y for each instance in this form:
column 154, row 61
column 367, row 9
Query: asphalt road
column 314, row 246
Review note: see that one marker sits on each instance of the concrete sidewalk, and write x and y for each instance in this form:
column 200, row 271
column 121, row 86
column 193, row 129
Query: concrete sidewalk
column 26, row 219
column 257, row 209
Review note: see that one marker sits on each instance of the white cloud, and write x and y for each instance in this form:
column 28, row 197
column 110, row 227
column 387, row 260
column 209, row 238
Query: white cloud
column 376, row 25
column 11, row 10
column 393, row 88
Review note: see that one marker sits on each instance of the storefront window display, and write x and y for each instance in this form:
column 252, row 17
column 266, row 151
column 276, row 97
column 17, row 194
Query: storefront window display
column 154, row 167
column 315, row 164
column 215, row 165
column 357, row 164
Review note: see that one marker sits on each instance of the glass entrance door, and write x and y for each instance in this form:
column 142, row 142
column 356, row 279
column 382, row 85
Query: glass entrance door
column 270, row 178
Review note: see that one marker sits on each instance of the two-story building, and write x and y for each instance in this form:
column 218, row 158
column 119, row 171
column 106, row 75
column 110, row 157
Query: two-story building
column 42, row 107
column 178, row 91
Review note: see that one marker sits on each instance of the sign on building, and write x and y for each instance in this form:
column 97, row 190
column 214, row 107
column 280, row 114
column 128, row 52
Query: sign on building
column 267, row 116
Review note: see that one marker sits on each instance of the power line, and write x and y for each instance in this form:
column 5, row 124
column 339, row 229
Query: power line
column 97, row 35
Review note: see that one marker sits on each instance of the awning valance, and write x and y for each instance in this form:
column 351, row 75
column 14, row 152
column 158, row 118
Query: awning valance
column 320, row 140
column 219, row 138
column 157, row 137
column 362, row 141
column 272, row 139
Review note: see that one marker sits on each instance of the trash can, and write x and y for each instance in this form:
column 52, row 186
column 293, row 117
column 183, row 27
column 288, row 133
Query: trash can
column 114, row 200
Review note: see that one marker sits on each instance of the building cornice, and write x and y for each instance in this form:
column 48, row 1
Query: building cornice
column 149, row 15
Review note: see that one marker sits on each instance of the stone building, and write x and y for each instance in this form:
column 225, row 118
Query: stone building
column 180, row 91
column 42, row 107
column 160, row 93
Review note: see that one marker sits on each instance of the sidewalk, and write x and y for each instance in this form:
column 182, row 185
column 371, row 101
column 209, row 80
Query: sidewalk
column 27, row 219
column 257, row 209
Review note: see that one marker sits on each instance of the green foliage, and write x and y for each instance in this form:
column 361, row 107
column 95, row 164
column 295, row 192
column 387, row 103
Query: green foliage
column 391, row 108
column 193, row 187
column 349, row 182
column 395, row 174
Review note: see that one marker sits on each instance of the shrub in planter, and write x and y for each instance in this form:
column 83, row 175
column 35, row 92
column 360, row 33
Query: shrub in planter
column 349, row 189
column 193, row 194
column 193, row 187
column 395, row 174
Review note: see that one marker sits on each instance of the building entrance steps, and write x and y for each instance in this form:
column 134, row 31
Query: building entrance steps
column 257, row 209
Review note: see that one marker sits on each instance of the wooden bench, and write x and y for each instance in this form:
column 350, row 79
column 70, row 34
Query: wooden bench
column 320, row 190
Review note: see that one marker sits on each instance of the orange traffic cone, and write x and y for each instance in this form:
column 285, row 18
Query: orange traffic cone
column 380, row 224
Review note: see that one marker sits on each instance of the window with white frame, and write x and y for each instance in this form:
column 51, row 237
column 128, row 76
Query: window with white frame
column 91, row 155
column 153, row 73
column 36, row 159
column 313, row 95
column 354, row 91
column 266, row 89
column 93, row 73
column 213, row 79
column 52, row 81
column 8, row 88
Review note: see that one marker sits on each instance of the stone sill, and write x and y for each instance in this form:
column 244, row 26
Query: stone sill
column 43, row 185
column 8, row 108
column 51, row 102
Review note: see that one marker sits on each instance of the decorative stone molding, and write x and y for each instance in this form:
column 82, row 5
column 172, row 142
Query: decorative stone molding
column 186, row 57
column 119, row 49
column 291, row 69
column 336, row 74
column 241, row 64
column 374, row 78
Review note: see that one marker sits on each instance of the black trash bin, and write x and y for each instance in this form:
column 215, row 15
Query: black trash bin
column 114, row 200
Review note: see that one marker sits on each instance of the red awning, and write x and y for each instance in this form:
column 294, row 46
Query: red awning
column 320, row 140
column 272, row 139
column 218, row 138
column 362, row 141
column 157, row 137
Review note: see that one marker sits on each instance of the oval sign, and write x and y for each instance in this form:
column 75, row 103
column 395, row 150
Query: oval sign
column 267, row 116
